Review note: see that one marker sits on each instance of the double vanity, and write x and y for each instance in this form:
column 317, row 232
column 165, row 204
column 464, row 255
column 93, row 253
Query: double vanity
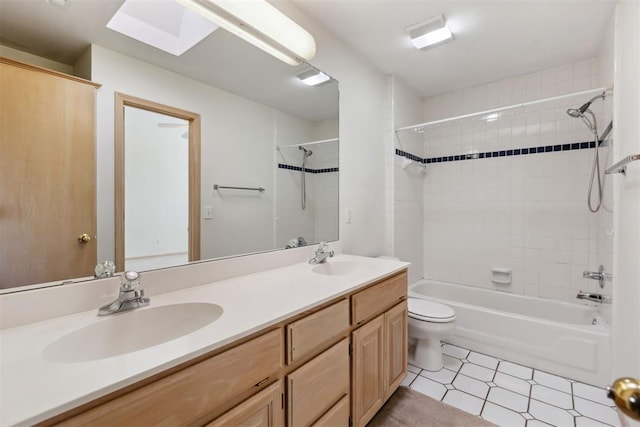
column 296, row 345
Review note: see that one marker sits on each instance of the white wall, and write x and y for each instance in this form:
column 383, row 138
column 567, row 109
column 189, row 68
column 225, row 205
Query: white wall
column 156, row 185
column 527, row 213
column 242, row 222
column 327, row 129
column 39, row 61
column 626, row 293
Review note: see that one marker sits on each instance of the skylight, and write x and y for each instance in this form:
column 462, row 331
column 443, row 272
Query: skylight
column 163, row 24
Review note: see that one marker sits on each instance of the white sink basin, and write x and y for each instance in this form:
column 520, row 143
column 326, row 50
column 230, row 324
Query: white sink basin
column 339, row 268
column 131, row 331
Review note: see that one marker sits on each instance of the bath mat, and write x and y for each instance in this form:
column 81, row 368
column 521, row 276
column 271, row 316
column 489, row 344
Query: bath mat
column 409, row 408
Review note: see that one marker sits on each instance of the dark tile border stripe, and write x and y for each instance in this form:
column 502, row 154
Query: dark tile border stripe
column 299, row 169
column 501, row 153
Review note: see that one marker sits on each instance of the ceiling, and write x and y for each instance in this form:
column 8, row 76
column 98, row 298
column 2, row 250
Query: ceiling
column 222, row 60
column 493, row 39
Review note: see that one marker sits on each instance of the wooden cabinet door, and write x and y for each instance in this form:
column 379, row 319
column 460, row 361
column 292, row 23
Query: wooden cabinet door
column 315, row 387
column 395, row 337
column 47, row 176
column 337, row 416
column 309, row 333
column 264, row 409
column 367, row 372
column 376, row 299
column 191, row 394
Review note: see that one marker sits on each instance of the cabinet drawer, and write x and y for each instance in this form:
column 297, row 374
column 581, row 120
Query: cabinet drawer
column 187, row 395
column 338, row 415
column 310, row 332
column 378, row 298
column 318, row 385
column 261, row 410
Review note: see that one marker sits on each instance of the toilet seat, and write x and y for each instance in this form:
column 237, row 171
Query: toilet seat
column 430, row 311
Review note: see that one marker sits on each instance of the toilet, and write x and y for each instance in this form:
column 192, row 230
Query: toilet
column 429, row 323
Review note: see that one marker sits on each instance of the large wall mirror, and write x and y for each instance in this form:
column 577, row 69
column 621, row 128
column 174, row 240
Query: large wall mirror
column 268, row 153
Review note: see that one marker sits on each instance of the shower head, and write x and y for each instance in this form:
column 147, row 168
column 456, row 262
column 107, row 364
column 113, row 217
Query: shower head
column 574, row 112
column 579, row 112
column 307, row 153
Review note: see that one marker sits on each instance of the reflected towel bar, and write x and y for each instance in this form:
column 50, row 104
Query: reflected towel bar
column 220, row 187
column 621, row 166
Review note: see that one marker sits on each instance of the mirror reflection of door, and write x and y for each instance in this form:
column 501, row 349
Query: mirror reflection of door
column 47, row 176
column 157, row 159
column 156, row 190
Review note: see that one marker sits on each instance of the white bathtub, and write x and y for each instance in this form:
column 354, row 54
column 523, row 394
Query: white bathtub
column 556, row 337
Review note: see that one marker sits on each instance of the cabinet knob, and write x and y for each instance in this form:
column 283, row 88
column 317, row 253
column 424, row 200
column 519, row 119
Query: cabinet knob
column 84, row 238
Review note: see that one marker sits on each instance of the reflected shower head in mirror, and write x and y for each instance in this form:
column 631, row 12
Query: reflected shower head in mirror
column 307, row 153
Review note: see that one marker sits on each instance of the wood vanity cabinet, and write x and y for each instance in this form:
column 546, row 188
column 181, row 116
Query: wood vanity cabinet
column 264, row 409
column 379, row 356
column 318, row 385
column 331, row 366
column 188, row 396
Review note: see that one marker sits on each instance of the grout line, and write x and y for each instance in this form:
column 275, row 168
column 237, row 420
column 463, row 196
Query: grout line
column 528, row 397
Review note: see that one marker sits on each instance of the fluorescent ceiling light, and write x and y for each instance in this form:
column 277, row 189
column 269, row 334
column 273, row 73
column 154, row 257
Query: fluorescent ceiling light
column 260, row 24
column 430, row 32
column 163, row 24
column 313, row 77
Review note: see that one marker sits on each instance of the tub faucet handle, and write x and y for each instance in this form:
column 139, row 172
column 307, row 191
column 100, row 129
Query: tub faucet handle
column 599, row 275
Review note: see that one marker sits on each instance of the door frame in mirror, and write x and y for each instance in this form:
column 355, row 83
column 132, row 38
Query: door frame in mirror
column 122, row 101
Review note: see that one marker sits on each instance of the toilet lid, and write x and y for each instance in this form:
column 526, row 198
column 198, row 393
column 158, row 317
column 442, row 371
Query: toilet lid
column 429, row 310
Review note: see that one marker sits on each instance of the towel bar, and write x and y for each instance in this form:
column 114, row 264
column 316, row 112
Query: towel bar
column 220, row 187
column 621, row 166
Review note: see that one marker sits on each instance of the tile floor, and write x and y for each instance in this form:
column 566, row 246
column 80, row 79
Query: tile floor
column 512, row 395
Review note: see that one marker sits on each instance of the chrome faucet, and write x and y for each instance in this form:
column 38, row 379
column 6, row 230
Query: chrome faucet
column 321, row 255
column 599, row 298
column 130, row 296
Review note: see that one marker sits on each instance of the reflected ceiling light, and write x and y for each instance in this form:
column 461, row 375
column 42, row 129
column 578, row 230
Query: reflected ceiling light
column 313, row 77
column 59, row 3
column 260, row 24
column 430, row 32
column 162, row 24
column 491, row 117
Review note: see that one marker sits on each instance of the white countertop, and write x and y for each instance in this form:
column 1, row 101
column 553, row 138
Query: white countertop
column 33, row 389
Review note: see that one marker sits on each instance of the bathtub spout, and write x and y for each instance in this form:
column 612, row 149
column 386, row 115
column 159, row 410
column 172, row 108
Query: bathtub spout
column 593, row 297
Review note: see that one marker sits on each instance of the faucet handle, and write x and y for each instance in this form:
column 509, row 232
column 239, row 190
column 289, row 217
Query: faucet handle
column 130, row 280
column 104, row 269
column 322, row 246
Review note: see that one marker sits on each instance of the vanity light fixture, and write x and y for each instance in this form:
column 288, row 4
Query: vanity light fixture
column 313, row 77
column 260, row 24
column 431, row 32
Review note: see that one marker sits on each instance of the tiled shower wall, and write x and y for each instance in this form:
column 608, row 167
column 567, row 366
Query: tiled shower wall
column 407, row 183
column 604, row 217
column 319, row 220
column 526, row 213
